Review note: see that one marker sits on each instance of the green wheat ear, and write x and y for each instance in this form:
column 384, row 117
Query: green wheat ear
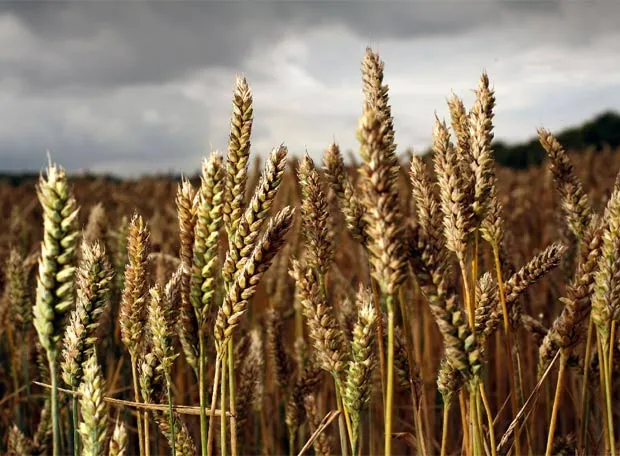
column 56, row 277
column 118, row 442
column 93, row 426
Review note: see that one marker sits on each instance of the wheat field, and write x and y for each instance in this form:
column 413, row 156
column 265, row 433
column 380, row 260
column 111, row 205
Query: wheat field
column 375, row 302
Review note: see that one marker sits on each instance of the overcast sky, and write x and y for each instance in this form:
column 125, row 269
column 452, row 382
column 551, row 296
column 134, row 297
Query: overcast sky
column 132, row 87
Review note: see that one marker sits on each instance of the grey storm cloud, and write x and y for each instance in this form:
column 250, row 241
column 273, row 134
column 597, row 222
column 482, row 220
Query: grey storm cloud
column 110, row 44
column 132, row 86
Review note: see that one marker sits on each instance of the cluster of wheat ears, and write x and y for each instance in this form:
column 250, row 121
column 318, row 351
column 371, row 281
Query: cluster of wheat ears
column 365, row 309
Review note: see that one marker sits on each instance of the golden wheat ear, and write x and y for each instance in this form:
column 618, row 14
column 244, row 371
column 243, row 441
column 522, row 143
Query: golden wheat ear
column 17, row 444
column 132, row 315
column 236, row 301
column 94, row 277
column 315, row 218
column 575, row 200
column 250, row 225
column 186, row 214
column 238, row 156
column 481, row 153
column 339, row 181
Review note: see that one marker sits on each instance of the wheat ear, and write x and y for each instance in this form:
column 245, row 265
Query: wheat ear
column 56, row 277
column 94, row 277
column 186, row 213
column 118, row 442
column 93, row 426
column 132, row 317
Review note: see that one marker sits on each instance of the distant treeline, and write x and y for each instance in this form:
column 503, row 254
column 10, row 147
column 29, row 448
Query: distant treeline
column 602, row 131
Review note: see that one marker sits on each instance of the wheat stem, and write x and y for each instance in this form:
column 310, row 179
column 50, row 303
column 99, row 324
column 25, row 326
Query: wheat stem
column 55, row 409
column 344, row 448
column 410, row 356
column 466, row 437
column 511, row 368
column 345, row 412
column 231, row 396
column 390, row 376
column 444, row 427
column 585, row 395
column 473, row 416
column 380, row 336
column 76, row 433
column 202, row 393
column 602, row 389
column 216, row 383
column 171, row 417
column 610, row 356
column 556, row 404
column 487, row 408
column 136, row 391
column 223, row 432
column 606, row 379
